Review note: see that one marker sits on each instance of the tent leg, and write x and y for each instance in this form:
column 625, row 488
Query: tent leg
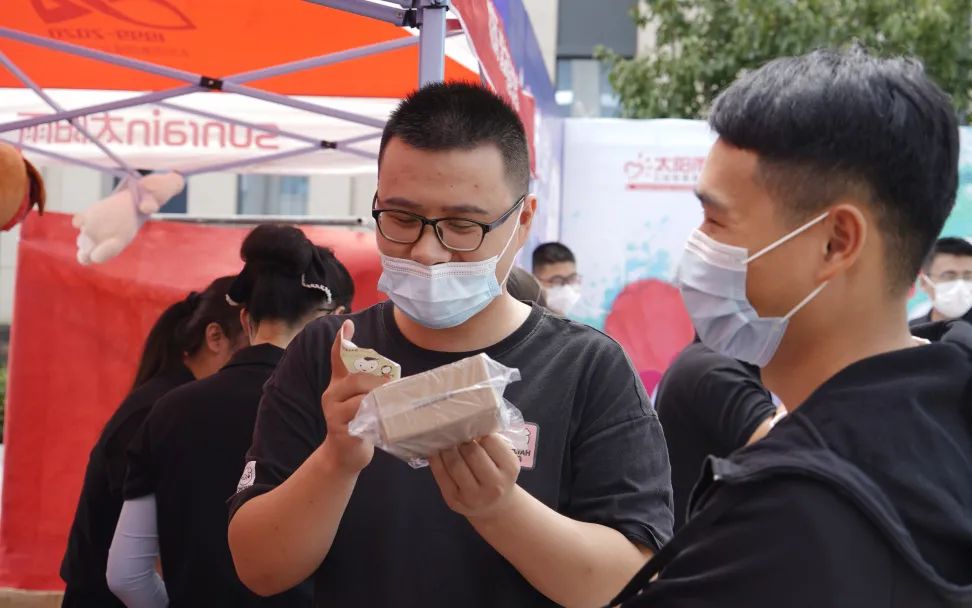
column 432, row 21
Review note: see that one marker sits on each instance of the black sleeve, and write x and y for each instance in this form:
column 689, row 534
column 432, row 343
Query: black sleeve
column 619, row 460
column 729, row 404
column 116, row 450
column 290, row 422
column 142, row 475
column 784, row 543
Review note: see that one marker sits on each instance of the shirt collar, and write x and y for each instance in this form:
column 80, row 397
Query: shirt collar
column 261, row 354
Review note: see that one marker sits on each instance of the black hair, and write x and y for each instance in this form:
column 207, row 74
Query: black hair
column 551, row 253
column 212, row 308
column 948, row 245
column 829, row 124
column 287, row 277
column 181, row 329
column 461, row 116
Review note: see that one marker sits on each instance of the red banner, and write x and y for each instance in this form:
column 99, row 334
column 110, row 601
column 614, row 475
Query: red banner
column 75, row 343
column 483, row 25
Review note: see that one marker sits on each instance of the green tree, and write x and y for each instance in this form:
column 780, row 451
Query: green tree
column 703, row 45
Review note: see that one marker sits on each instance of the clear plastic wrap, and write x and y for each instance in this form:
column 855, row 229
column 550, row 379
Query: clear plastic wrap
column 421, row 415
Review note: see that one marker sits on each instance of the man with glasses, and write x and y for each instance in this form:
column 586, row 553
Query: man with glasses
column 564, row 521
column 555, row 267
column 947, row 279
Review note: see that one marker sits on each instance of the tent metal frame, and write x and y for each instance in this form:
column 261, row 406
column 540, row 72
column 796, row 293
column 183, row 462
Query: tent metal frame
column 429, row 16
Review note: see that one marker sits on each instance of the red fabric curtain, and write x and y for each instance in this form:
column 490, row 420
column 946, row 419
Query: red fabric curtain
column 75, row 342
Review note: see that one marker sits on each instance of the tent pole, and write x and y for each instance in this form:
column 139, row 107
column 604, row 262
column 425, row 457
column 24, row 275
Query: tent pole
column 353, row 222
column 375, row 10
column 27, row 80
column 66, row 159
column 81, row 51
column 232, row 87
column 265, row 128
column 233, row 82
column 119, row 104
column 236, row 164
column 432, row 34
column 330, row 58
column 241, row 123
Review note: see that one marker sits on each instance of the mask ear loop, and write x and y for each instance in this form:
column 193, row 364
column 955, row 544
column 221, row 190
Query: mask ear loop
column 787, row 237
column 499, row 257
column 806, row 300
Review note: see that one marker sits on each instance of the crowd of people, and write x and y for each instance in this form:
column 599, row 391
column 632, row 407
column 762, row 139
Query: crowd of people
column 809, row 448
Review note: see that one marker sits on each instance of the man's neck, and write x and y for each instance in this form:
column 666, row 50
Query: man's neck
column 809, row 358
column 502, row 317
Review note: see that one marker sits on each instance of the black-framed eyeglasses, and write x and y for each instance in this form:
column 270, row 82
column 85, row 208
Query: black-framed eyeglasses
column 455, row 234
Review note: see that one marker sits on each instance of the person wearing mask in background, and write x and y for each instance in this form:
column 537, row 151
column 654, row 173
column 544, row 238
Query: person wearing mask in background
column 568, row 521
column 192, row 339
column 946, row 277
column 186, row 460
column 832, row 176
column 556, row 269
column 708, row 404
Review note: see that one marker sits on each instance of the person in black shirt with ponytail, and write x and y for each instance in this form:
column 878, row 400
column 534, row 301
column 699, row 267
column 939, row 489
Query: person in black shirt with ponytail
column 188, row 456
column 192, row 339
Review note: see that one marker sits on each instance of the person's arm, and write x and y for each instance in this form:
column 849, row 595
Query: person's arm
column 573, row 563
column 134, row 551
column 767, row 424
column 785, row 542
column 731, row 405
column 279, row 538
column 619, row 510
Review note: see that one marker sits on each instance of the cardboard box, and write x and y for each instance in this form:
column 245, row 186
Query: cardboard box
column 438, row 409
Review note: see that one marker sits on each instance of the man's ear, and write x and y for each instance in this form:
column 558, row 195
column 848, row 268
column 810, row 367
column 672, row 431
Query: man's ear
column 529, row 211
column 847, row 230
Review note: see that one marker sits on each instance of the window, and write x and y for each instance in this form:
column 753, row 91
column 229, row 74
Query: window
column 177, row 204
column 272, row 195
column 583, row 88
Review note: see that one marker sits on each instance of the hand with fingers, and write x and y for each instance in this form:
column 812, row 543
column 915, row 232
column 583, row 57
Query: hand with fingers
column 340, row 403
column 477, row 479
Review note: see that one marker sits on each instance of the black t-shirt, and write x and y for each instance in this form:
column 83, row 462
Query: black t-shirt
column 189, row 453
column 596, row 454
column 708, row 404
column 86, row 558
column 926, row 318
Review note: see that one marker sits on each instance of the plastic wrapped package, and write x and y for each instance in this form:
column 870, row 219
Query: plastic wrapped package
column 421, row 415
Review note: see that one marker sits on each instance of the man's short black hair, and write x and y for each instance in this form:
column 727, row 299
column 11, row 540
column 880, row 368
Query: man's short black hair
column 948, row 245
column 462, row 116
column 829, row 124
column 551, row 253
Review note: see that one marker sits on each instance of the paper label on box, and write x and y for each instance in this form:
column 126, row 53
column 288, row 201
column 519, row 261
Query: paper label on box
column 528, row 456
column 367, row 361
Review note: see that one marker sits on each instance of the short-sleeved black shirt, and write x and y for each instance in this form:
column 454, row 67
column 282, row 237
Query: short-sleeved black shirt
column 189, row 454
column 708, row 404
column 597, row 454
column 86, row 558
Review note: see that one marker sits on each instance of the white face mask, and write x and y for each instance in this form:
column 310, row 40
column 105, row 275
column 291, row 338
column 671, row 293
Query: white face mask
column 443, row 295
column 952, row 298
column 562, row 298
column 712, row 278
